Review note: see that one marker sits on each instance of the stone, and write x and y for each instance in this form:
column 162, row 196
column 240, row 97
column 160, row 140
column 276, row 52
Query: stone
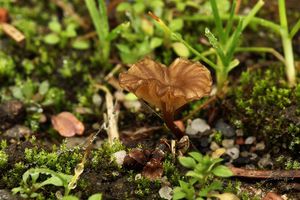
column 17, row 132
column 239, row 132
column 233, row 152
column 225, row 129
column 196, row 126
column 218, row 153
column 119, row 156
column 260, row 146
column 214, row 146
column 250, row 140
column 165, row 192
column 265, row 161
column 204, row 141
column 228, row 143
column 241, row 161
column 240, row 141
column 7, row 195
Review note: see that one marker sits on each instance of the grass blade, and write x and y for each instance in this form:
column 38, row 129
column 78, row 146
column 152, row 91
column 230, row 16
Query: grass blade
column 218, row 20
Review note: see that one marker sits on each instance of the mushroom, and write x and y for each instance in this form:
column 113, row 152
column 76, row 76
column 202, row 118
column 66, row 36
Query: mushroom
column 167, row 88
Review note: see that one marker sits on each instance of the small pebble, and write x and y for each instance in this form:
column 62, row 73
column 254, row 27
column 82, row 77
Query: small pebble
column 17, row 132
column 196, row 126
column 224, row 128
column 214, row 146
column 253, row 156
column 218, row 153
column 240, row 141
column 239, row 132
column 228, row 143
column 204, row 141
column 119, row 156
column 260, row 146
column 244, row 153
column 165, row 192
column 241, row 161
column 233, row 152
column 265, row 161
column 97, row 100
column 250, row 140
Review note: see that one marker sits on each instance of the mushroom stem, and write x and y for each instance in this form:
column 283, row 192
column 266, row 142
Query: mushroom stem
column 169, row 120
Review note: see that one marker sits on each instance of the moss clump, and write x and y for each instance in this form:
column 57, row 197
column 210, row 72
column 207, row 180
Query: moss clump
column 64, row 160
column 265, row 106
column 3, row 159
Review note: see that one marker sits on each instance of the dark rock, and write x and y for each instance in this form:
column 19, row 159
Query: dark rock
column 11, row 112
column 226, row 158
column 204, row 141
column 225, row 129
column 241, row 161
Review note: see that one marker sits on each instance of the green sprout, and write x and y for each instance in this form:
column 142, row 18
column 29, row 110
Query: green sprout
column 224, row 46
column 100, row 21
column 281, row 29
column 202, row 170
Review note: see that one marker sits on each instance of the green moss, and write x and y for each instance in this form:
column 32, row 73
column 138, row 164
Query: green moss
column 13, row 177
column 267, row 107
column 3, row 159
column 63, row 160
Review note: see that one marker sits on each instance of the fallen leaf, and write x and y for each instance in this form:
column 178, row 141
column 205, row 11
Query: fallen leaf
column 226, row 196
column 272, row 196
column 153, row 170
column 3, row 15
column 67, row 124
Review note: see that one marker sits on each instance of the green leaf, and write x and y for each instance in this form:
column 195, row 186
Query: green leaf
column 196, row 155
column 216, row 45
column 194, row 174
column 43, row 88
column 53, row 180
column 187, row 162
column 139, row 7
column 70, row 197
column 178, row 193
column 51, row 38
column 155, row 42
column 216, row 185
column 176, row 24
column 71, row 31
column 97, row 196
column 222, row 171
column 181, row 50
column 124, row 6
column 55, row 26
column 81, row 44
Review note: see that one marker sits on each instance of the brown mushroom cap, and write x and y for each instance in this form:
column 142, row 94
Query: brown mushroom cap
column 168, row 88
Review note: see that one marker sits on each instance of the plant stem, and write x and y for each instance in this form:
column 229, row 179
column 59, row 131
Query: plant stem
column 255, row 20
column 100, row 21
column 169, row 120
column 262, row 49
column 287, row 44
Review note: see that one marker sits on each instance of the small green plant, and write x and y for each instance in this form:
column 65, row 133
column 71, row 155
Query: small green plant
column 3, row 159
column 224, row 46
column 61, row 36
column 30, row 184
column 99, row 17
column 199, row 182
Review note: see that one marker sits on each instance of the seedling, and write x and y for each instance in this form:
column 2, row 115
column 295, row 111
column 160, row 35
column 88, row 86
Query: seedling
column 224, row 46
column 202, row 169
column 281, row 29
column 167, row 88
column 100, row 21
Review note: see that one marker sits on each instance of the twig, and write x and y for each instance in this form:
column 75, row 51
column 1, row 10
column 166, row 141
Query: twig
column 265, row 174
column 112, row 129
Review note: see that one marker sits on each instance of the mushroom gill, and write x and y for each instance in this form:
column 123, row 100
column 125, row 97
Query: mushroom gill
column 167, row 88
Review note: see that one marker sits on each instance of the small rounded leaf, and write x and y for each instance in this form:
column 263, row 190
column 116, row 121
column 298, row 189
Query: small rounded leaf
column 67, row 124
column 222, row 171
column 181, row 50
column 187, row 162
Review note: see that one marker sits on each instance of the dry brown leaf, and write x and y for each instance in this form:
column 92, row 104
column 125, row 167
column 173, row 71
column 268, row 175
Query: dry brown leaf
column 3, row 15
column 272, row 196
column 170, row 87
column 67, row 124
